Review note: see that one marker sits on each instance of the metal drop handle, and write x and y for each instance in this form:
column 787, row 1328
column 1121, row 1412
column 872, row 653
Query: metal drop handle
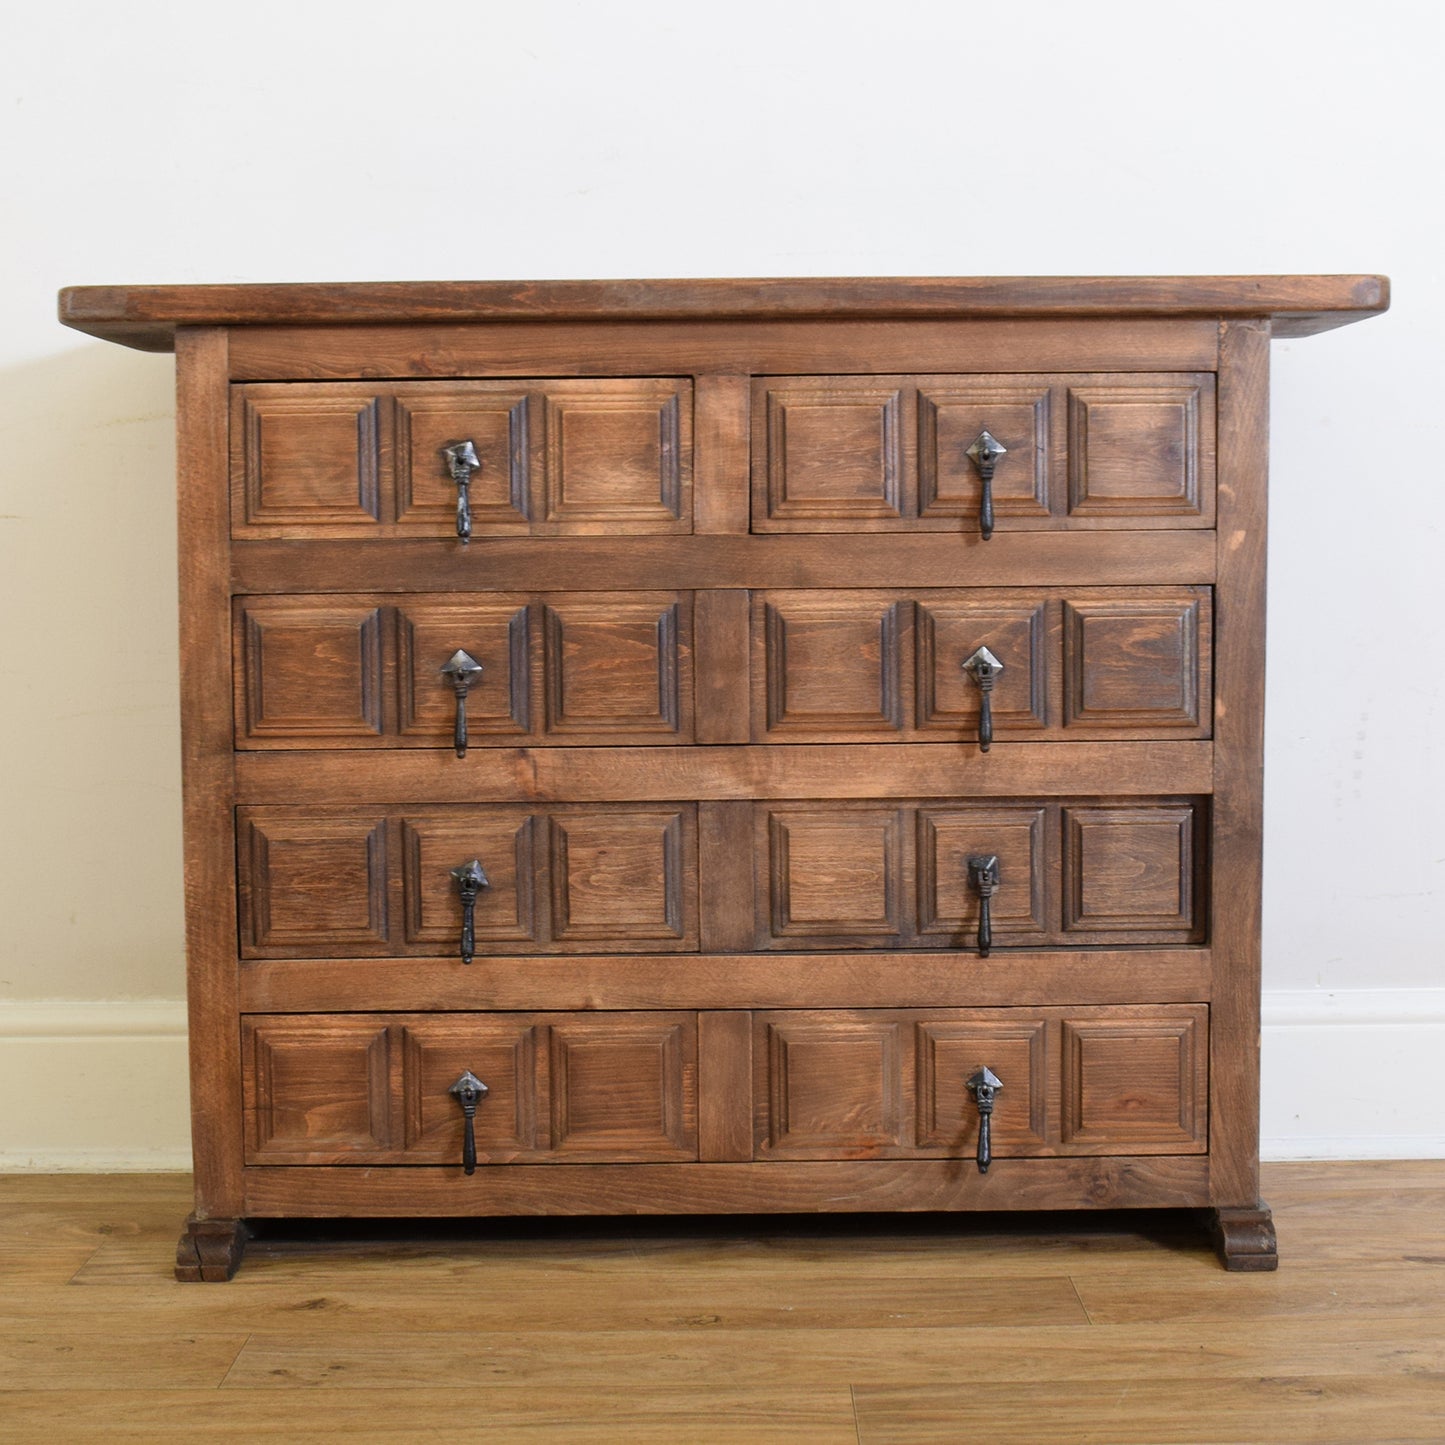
column 462, row 461
column 983, row 876
column 985, row 669
column 463, row 670
column 983, row 1086
column 985, row 452
column 470, row 881
column 469, row 1091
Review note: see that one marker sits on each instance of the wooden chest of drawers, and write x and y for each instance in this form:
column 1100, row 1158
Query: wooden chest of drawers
column 723, row 746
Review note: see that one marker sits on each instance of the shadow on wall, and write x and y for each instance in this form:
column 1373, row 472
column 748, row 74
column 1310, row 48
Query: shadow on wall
column 90, row 863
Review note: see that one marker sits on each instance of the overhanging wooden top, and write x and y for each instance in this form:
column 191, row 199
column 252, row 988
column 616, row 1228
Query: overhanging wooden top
column 146, row 317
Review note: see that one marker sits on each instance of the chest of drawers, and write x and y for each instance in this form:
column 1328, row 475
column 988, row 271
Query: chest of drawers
column 723, row 746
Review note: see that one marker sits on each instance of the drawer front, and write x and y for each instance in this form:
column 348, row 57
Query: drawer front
column 858, row 1084
column 891, row 453
column 373, row 1089
column 368, row 670
column 1076, row 663
column 554, row 458
column 584, row 878
column 865, row 874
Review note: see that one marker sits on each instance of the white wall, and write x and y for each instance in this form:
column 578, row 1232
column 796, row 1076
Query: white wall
column 469, row 139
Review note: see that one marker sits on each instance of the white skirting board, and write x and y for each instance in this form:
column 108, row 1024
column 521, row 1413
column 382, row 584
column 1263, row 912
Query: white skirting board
column 95, row 1087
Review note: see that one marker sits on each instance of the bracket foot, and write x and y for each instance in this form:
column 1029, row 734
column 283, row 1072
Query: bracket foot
column 1244, row 1237
column 210, row 1249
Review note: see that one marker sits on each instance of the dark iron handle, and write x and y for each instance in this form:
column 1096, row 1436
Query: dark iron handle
column 983, row 876
column 463, row 670
column 985, row 452
column 470, row 881
column 985, row 669
column 469, row 1091
column 462, row 461
column 983, row 1086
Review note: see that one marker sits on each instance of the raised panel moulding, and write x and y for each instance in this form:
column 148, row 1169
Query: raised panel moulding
column 129, row 1060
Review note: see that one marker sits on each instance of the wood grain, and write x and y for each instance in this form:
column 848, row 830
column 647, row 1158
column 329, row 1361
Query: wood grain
column 207, row 772
column 781, row 1187
column 693, row 735
column 607, row 348
column 146, row 316
column 1015, row 1329
column 729, row 980
column 926, row 770
column 1237, row 841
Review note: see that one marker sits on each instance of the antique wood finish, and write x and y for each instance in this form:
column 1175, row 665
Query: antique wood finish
column 207, row 774
column 833, row 455
column 630, row 768
column 781, row 1186
column 146, row 316
column 1008, row 560
column 873, row 979
column 1238, row 828
column 938, row 770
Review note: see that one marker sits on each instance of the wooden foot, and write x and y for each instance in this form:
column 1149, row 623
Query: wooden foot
column 210, row 1249
column 1245, row 1237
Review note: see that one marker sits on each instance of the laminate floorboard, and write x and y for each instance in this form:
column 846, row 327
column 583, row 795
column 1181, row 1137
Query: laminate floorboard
column 1111, row 1330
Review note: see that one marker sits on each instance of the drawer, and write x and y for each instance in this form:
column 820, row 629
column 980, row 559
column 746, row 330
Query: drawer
column 369, row 882
column 371, row 670
column 553, row 458
column 887, row 875
column 375, row 1089
column 1080, row 663
column 891, row 453
column 859, row 1084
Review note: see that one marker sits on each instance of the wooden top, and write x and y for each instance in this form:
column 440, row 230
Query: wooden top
column 146, row 317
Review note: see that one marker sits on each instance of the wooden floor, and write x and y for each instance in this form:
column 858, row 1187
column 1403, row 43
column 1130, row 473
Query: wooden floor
column 872, row 1330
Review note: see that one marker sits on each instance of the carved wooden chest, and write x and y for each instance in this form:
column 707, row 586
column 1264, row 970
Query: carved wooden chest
column 723, row 746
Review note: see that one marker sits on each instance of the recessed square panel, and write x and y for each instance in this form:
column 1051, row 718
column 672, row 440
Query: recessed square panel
column 316, row 1090
column 494, row 633
column 1013, row 1047
column 496, row 419
column 625, row 1087
column 312, row 884
column 308, row 669
column 1136, row 661
column 1136, row 1081
column 831, row 451
column 950, row 631
column 835, row 872
column 1130, row 869
column 951, row 417
column 1141, row 450
column 834, row 1088
column 619, row 456
column 499, row 1049
column 618, row 663
column 309, row 458
column 624, row 876
column 502, row 840
column 831, row 664
column 947, row 902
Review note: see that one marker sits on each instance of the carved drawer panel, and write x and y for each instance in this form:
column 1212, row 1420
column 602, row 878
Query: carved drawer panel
column 548, row 458
column 894, row 1083
column 583, row 878
column 385, row 669
column 1057, row 663
column 861, row 874
column 575, row 1088
column 892, row 453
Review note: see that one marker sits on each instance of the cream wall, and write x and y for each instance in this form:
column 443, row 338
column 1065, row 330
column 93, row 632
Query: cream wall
column 172, row 142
